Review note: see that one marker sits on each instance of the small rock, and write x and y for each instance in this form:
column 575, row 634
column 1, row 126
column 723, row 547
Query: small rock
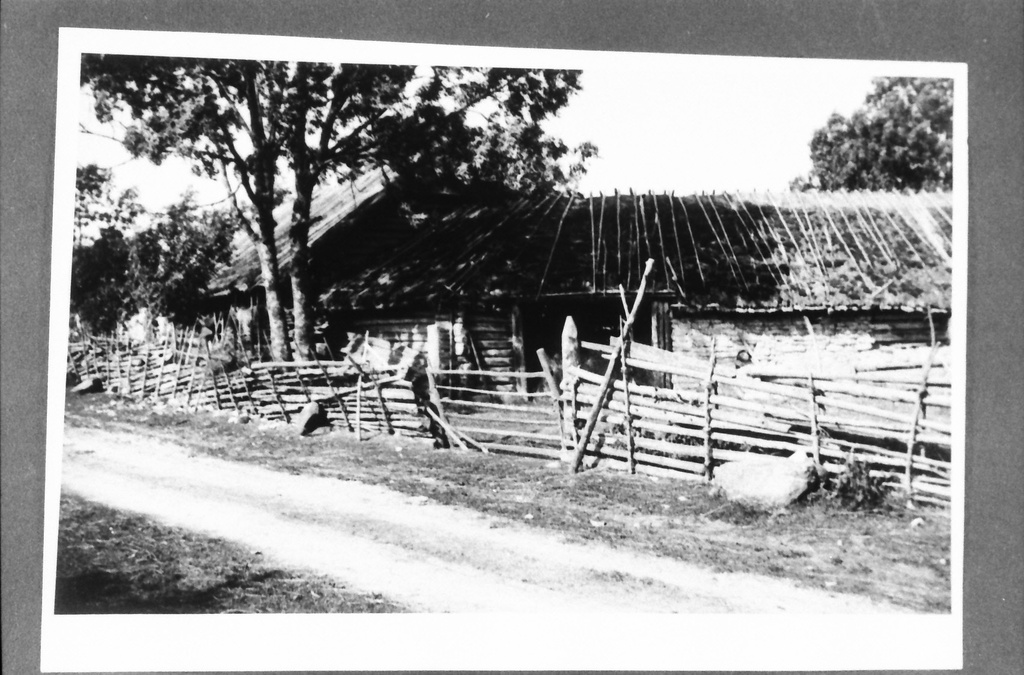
column 89, row 385
column 598, row 523
column 917, row 522
column 528, row 516
column 830, row 584
column 682, row 498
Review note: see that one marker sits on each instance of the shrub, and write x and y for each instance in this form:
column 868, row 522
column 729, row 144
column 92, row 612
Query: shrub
column 855, row 488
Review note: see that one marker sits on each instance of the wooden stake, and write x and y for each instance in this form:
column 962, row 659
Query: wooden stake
column 334, row 393
column 613, row 363
column 551, row 255
column 277, row 397
column 145, row 371
column 518, row 349
column 922, row 392
column 556, row 394
column 815, row 434
column 209, row 366
column 359, row 408
column 709, row 392
column 163, row 365
column 177, row 373
column 630, row 442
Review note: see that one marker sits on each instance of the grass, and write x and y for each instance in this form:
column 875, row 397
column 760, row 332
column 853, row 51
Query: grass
column 888, row 553
column 109, row 562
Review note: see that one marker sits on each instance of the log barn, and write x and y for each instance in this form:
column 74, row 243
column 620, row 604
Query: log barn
column 483, row 278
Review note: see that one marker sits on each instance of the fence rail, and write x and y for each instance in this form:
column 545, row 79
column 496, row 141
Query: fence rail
column 892, row 414
column 714, row 414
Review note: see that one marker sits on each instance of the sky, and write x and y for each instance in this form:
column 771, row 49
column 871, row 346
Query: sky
column 725, row 125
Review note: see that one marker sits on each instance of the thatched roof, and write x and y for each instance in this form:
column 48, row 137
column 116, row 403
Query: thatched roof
column 334, row 205
column 800, row 250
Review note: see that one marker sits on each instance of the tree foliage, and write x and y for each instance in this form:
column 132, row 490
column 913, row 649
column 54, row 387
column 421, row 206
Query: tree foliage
column 172, row 262
column 901, row 138
column 283, row 127
column 120, row 267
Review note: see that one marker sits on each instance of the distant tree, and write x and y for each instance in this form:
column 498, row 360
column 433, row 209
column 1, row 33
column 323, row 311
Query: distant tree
column 172, row 262
column 97, row 206
column 99, row 264
column 901, row 138
column 268, row 124
column 99, row 280
column 119, row 266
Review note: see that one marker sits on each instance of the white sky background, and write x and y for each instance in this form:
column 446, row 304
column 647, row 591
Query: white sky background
column 731, row 124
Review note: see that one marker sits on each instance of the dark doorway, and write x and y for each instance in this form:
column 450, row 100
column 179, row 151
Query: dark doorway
column 597, row 320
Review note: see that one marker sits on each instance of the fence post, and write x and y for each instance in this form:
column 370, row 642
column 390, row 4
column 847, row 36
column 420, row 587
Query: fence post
column 613, row 363
column 518, row 353
column 627, row 339
column 163, row 365
column 145, row 371
column 327, row 378
column 213, row 374
column 556, row 394
column 570, row 383
column 815, row 433
column 277, row 396
column 131, row 357
column 922, row 392
column 709, row 391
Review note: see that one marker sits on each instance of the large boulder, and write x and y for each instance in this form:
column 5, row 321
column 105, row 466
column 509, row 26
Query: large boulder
column 764, row 481
column 312, row 417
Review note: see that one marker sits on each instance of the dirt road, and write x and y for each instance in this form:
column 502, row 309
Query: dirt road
column 426, row 556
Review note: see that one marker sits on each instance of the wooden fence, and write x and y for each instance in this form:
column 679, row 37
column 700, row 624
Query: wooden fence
column 893, row 415
column 479, row 411
column 356, row 391
column 895, row 423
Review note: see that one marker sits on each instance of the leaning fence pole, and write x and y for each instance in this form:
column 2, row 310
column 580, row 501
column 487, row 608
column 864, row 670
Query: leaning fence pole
column 163, row 365
column 131, row 357
column 192, row 377
column 277, row 396
column 613, row 363
column 922, row 392
column 815, row 431
column 359, row 408
column 556, row 395
column 627, row 339
column 74, row 366
column 709, row 392
column 213, row 374
column 334, row 393
column 186, row 339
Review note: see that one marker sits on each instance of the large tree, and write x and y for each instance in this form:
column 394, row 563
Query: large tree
column 901, row 138
column 279, row 128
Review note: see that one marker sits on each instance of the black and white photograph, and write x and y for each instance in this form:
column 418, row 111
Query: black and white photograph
column 502, row 345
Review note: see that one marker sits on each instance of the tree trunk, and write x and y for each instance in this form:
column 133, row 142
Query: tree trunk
column 279, row 347
column 301, row 305
column 302, row 310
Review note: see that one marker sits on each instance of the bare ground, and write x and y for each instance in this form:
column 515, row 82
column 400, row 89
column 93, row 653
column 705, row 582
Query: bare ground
column 418, row 552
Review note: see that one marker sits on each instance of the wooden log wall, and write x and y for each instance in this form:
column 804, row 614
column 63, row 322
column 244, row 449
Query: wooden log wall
column 900, row 429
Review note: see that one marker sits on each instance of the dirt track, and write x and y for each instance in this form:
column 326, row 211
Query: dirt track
column 426, row 556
